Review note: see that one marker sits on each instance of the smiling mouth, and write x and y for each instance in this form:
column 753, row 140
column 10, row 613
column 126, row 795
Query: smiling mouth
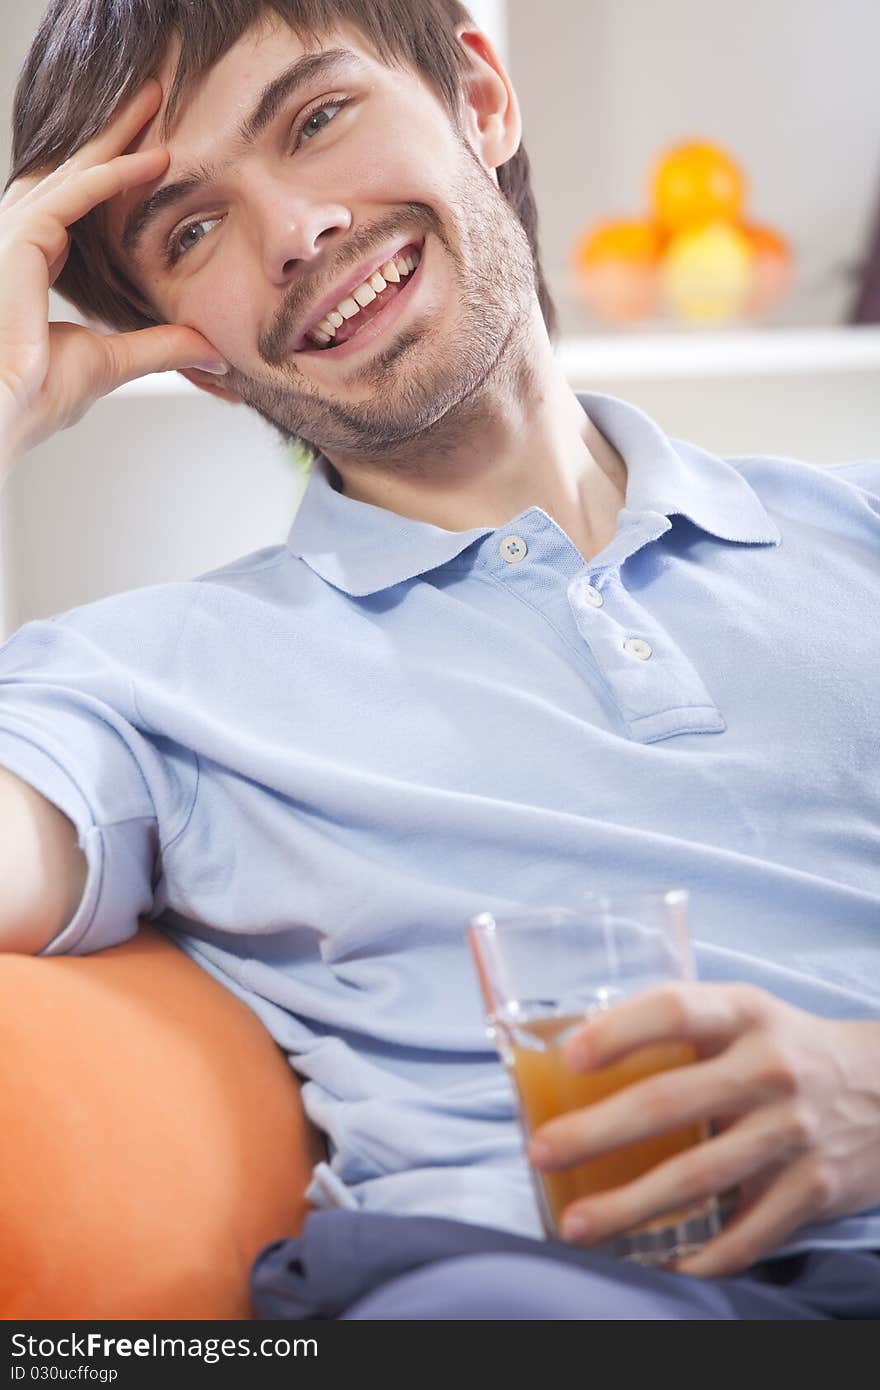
column 365, row 303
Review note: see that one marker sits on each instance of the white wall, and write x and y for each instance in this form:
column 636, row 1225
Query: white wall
column 491, row 15
column 144, row 490
column 789, row 86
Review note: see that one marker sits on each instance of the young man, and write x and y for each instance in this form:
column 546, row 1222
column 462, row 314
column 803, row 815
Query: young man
column 519, row 646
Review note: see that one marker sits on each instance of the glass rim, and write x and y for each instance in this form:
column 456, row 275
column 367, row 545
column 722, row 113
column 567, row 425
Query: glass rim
column 603, row 902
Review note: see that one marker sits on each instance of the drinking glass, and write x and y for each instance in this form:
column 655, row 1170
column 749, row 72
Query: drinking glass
column 542, row 971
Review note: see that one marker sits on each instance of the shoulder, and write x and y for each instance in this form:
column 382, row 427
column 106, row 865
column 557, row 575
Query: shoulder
column 144, row 627
column 779, row 479
column 240, row 570
column 864, row 474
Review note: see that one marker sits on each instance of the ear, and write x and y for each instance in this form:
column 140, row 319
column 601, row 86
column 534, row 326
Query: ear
column 206, row 381
column 492, row 118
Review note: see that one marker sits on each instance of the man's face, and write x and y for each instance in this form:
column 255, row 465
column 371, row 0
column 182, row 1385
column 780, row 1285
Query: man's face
column 352, row 168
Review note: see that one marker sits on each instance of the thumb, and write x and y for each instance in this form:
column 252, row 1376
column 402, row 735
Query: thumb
column 165, row 348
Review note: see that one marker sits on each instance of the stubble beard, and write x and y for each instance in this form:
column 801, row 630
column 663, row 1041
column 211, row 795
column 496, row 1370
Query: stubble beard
column 424, row 388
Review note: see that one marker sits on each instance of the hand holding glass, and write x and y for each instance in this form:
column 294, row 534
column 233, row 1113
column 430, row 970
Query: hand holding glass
column 542, row 971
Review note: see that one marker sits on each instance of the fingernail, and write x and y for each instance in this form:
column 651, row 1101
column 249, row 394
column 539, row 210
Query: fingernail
column 575, row 1227
column 579, row 1057
column 576, row 1049
column 215, row 368
column 540, row 1153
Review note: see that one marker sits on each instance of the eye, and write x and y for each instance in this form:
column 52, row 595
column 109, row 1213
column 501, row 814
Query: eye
column 307, row 134
column 176, row 247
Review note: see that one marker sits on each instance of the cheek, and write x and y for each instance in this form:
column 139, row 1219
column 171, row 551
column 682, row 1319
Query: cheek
column 375, row 171
column 224, row 318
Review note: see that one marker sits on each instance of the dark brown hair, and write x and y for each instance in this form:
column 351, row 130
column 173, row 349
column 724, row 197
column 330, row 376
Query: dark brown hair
column 89, row 55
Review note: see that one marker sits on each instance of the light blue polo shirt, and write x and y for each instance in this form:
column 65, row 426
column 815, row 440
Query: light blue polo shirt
column 312, row 766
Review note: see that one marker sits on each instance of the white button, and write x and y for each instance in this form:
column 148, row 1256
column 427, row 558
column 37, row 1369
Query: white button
column 592, row 595
column 514, row 549
column 636, row 647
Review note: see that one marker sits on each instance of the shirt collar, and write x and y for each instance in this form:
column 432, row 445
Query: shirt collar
column 362, row 549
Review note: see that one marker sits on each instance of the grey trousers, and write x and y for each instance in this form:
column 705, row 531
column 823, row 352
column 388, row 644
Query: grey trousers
column 367, row 1265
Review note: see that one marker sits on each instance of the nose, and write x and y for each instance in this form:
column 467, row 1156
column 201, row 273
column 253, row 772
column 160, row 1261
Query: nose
column 294, row 227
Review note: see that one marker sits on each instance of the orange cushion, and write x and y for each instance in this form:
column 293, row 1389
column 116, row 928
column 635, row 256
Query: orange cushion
column 152, row 1138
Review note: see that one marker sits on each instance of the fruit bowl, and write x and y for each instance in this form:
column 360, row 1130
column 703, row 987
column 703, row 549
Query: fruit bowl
column 694, row 258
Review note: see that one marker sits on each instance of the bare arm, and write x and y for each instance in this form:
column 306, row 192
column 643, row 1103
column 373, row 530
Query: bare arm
column 42, row 869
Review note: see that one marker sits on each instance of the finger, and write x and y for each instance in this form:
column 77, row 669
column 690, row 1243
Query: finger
column 710, row 1015
column 26, row 184
column 748, row 1074
column 124, row 125
column 43, row 222
column 659, row 1104
column 165, row 348
column 798, row 1195
column 112, row 139
column 43, row 228
column 705, row 1170
column 58, row 264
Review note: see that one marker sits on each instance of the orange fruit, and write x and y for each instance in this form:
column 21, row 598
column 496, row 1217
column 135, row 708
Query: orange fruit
column 774, row 266
column 615, row 269
column 618, row 240
column 696, row 183
column 707, row 273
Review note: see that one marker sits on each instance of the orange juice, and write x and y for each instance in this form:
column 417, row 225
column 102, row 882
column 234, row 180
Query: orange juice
column 547, row 1088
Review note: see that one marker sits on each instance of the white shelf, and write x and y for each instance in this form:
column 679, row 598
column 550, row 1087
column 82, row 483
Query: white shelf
column 749, row 352
column 594, row 357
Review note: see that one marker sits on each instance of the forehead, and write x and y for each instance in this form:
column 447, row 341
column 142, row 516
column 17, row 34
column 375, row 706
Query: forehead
column 215, row 103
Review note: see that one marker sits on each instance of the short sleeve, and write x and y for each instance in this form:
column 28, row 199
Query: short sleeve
column 70, row 726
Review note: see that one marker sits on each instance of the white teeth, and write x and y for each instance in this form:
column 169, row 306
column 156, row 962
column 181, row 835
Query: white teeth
column 391, row 273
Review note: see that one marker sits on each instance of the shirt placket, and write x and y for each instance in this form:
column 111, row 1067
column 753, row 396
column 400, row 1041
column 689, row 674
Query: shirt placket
column 657, row 690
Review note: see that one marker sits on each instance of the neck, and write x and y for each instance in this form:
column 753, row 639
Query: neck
column 523, row 440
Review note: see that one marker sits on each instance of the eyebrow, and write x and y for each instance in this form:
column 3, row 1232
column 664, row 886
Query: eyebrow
column 303, row 72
